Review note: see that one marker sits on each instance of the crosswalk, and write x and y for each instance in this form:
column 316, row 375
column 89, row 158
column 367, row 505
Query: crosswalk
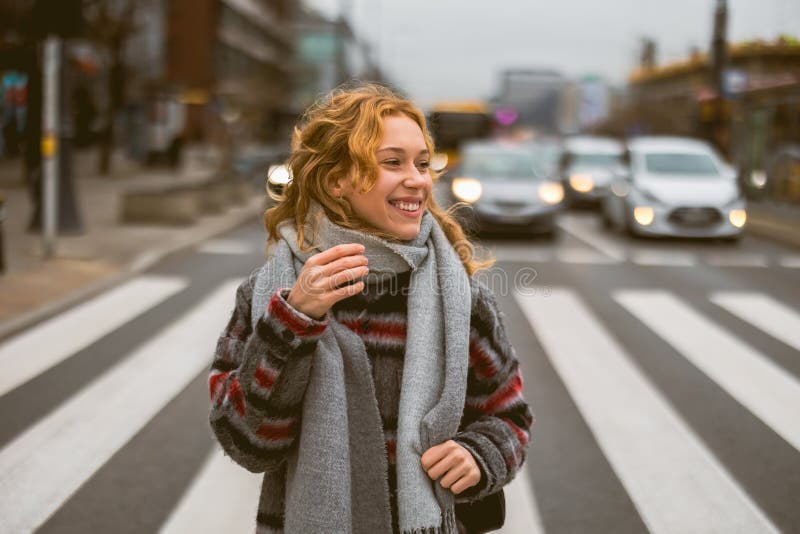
column 674, row 478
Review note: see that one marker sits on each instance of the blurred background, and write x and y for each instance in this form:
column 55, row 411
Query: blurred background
column 633, row 166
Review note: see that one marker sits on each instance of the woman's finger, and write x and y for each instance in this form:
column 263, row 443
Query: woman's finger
column 346, row 262
column 333, row 253
column 343, row 277
column 347, row 291
column 453, row 475
column 444, row 465
column 463, row 484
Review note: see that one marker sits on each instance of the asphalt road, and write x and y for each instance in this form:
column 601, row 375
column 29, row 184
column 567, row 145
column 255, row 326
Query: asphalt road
column 664, row 377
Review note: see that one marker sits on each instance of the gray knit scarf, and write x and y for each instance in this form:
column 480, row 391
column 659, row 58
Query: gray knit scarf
column 335, row 478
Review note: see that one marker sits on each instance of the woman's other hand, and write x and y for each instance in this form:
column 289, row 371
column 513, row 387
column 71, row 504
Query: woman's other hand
column 321, row 282
column 454, row 464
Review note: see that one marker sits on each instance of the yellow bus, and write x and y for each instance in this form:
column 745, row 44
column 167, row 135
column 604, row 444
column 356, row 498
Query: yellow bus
column 453, row 122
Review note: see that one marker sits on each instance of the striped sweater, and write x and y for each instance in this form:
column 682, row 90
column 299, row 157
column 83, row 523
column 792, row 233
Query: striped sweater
column 258, row 379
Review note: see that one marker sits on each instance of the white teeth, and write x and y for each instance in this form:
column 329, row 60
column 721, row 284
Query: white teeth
column 407, row 206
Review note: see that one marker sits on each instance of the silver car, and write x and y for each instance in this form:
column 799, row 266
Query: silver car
column 675, row 187
column 587, row 167
column 505, row 188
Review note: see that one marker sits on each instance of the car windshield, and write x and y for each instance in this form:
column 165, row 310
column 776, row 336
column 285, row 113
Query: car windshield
column 502, row 165
column 596, row 160
column 681, row 164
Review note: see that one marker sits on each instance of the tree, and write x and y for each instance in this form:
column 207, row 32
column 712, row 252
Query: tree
column 110, row 24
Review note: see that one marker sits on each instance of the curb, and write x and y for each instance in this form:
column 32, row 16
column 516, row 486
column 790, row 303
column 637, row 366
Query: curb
column 138, row 265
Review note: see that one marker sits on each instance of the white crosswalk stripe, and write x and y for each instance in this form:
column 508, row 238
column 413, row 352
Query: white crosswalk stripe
column 226, row 246
column 26, row 355
column 222, row 498
column 662, row 464
column 763, row 311
column 764, row 388
column 55, row 456
column 522, row 513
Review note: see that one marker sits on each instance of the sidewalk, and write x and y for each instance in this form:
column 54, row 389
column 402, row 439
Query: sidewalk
column 778, row 223
column 106, row 252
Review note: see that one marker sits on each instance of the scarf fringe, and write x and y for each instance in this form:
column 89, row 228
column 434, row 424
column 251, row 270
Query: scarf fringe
column 448, row 525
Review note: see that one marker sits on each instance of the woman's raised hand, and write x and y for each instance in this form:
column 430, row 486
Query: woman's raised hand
column 321, row 282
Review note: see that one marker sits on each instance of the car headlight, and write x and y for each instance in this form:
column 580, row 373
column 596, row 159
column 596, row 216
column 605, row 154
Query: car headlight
column 643, row 215
column 551, row 193
column 582, row 183
column 737, row 217
column 279, row 174
column 467, row 190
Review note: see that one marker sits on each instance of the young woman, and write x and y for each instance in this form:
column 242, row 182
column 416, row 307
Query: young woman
column 364, row 370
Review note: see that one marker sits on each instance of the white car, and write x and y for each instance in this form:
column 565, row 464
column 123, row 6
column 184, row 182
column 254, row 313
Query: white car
column 587, row 167
column 675, row 187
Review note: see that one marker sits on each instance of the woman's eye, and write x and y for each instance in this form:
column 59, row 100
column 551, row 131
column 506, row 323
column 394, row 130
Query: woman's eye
column 392, row 162
column 424, row 164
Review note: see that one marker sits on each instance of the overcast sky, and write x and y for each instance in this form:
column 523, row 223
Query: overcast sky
column 438, row 49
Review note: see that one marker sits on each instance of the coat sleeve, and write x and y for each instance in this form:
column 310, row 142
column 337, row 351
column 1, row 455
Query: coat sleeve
column 258, row 379
column 497, row 420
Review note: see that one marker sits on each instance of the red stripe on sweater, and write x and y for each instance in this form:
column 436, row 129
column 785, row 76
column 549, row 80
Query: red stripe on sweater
column 214, row 381
column 265, row 377
column 278, row 431
column 394, row 330
column 482, row 363
column 236, row 396
column 521, row 436
column 289, row 318
column 502, row 397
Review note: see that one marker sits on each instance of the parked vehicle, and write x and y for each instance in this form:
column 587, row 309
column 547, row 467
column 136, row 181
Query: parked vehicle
column 505, row 188
column 587, row 167
column 675, row 187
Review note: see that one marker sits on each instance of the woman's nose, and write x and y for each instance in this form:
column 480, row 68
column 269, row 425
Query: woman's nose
column 415, row 178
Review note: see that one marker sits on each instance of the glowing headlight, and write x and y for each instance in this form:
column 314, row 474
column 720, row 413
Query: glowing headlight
column 551, row 192
column 467, row 189
column 279, row 174
column 737, row 217
column 582, row 183
column 758, row 179
column 643, row 215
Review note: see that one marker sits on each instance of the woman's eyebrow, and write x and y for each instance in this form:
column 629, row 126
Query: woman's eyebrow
column 399, row 150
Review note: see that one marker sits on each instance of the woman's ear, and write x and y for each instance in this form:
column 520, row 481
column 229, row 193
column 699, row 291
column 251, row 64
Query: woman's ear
column 339, row 186
column 336, row 189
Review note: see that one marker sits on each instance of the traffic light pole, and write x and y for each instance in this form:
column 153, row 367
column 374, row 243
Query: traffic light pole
column 50, row 126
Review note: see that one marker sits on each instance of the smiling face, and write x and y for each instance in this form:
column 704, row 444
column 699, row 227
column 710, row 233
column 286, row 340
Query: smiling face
column 397, row 200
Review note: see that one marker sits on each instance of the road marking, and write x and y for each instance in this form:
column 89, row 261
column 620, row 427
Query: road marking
column 593, row 239
column 222, row 498
column 42, row 467
column 226, row 246
column 766, row 313
column 522, row 513
column 521, row 254
column 36, row 350
column 667, row 258
column 583, row 255
column 791, row 262
column 742, row 259
column 750, row 377
column 674, row 481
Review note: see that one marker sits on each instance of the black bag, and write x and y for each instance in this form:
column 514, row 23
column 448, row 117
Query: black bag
column 483, row 515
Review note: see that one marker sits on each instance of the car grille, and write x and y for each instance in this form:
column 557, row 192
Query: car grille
column 510, row 205
column 695, row 216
